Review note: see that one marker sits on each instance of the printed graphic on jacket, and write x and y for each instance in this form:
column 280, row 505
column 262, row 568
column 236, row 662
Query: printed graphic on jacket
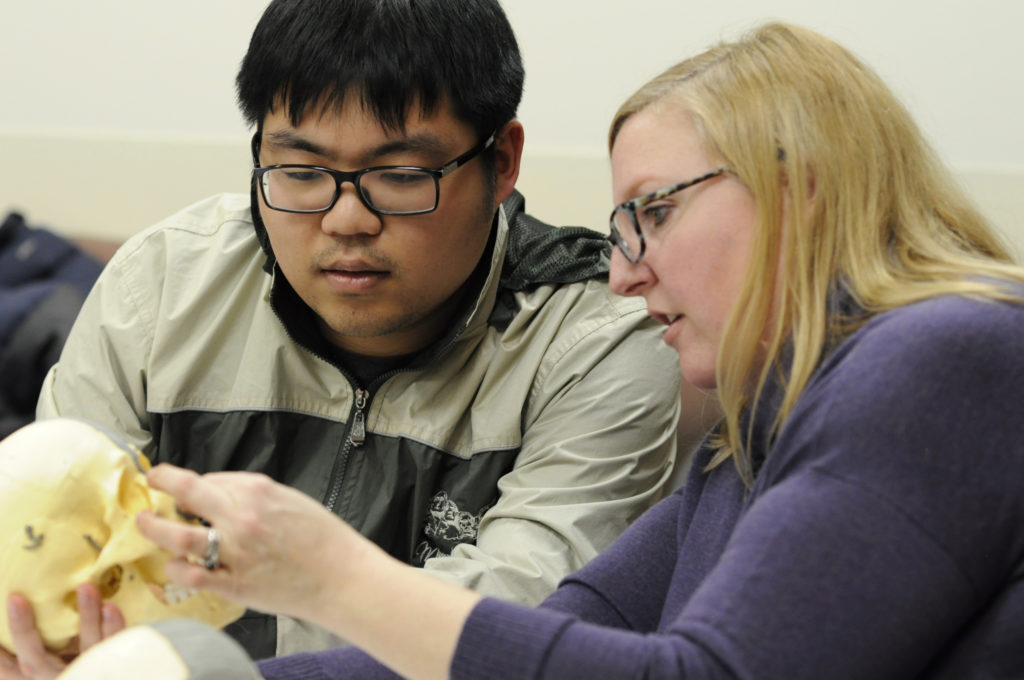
column 446, row 527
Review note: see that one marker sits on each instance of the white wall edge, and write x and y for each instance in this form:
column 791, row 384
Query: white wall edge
column 112, row 184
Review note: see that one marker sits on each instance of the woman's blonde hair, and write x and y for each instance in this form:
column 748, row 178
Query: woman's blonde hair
column 872, row 212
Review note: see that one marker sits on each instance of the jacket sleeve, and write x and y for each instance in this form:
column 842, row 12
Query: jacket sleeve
column 101, row 374
column 597, row 448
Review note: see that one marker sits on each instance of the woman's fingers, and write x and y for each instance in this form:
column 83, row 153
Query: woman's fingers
column 265, row 536
column 9, row 666
column 112, row 620
column 177, row 538
column 90, row 624
column 96, row 620
column 34, row 660
column 193, row 494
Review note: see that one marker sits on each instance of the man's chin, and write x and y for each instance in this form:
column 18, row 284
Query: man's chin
column 374, row 334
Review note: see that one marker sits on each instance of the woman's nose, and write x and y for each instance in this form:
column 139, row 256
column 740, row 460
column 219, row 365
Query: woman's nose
column 628, row 279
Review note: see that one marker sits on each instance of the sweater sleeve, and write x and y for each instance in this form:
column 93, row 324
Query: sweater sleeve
column 599, row 595
column 342, row 662
column 886, row 522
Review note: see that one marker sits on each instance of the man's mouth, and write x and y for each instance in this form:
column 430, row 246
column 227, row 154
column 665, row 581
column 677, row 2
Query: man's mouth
column 353, row 278
column 354, row 272
column 358, row 267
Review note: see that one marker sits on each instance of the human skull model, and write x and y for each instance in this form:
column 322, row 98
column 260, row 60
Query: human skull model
column 69, row 493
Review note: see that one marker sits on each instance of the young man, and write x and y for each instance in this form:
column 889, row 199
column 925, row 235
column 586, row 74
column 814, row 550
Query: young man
column 379, row 324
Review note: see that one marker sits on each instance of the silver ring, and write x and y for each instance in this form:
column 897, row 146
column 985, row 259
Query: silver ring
column 211, row 558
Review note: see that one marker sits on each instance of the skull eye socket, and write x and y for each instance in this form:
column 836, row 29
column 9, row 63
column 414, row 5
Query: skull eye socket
column 110, row 582
column 132, row 493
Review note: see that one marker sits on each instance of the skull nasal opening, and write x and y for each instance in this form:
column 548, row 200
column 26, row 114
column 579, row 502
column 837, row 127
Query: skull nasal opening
column 110, row 582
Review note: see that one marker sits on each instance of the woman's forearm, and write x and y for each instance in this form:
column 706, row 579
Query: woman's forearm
column 404, row 617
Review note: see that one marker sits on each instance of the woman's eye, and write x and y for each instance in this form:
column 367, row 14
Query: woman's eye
column 654, row 215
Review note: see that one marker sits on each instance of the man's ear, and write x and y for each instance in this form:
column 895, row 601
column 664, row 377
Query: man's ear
column 508, row 146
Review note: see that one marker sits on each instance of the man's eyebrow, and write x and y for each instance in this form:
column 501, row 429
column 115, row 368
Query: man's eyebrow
column 424, row 143
column 427, row 144
column 290, row 140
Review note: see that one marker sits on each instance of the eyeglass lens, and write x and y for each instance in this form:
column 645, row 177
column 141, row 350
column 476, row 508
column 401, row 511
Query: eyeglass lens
column 628, row 235
column 388, row 189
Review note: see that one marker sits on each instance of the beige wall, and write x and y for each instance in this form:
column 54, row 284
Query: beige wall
column 109, row 185
column 119, row 112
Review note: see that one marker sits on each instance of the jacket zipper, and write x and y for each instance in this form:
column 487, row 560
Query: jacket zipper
column 356, row 437
column 358, row 411
column 357, row 423
column 357, row 430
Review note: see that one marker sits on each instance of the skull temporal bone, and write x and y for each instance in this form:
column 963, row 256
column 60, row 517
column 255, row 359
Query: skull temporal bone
column 69, row 494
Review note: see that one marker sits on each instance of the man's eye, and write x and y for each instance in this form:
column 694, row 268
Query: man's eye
column 304, row 176
column 403, row 178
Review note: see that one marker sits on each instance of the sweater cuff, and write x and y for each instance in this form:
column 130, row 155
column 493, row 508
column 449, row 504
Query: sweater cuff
column 340, row 662
column 513, row 637
column 293, row 666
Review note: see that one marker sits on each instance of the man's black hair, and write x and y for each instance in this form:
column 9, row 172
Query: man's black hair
column 395, row 54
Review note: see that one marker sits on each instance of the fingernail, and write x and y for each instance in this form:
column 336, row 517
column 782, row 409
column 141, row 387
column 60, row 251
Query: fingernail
column 12, row 609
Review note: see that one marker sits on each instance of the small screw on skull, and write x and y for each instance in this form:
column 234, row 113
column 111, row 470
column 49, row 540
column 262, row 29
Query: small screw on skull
column 36, row 540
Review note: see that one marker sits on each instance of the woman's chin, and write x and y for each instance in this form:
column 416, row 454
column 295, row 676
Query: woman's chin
column 698, row 374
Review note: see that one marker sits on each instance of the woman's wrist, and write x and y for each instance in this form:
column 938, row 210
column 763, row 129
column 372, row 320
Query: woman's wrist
column 405, row 617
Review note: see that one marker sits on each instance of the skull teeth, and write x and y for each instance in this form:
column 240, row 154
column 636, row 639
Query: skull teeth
column 176, row 594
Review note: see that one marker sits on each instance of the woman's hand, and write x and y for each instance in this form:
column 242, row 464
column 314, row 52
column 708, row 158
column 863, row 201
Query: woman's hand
column 280, row 551
column 272, row 540
column 97, row 621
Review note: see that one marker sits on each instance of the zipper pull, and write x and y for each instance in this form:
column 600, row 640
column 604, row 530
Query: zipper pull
column 358, row 433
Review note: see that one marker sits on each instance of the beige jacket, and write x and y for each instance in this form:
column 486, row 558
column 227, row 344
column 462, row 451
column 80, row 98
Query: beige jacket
column 520, row 446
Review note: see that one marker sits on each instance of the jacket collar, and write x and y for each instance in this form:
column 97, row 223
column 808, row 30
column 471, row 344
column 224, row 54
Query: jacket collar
column 522, row 254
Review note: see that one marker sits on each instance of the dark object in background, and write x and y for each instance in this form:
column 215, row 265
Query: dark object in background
column 44, row 279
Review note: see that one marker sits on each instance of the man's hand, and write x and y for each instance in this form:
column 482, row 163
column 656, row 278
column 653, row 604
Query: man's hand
column 97, row 621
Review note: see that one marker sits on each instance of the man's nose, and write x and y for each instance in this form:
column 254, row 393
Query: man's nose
column 350, row 216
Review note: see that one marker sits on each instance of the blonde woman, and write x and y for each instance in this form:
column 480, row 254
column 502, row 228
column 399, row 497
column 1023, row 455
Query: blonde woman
column 859, row 512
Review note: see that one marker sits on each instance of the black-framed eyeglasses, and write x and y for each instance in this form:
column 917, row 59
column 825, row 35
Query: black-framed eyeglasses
column 384, row 190
column 628, row 223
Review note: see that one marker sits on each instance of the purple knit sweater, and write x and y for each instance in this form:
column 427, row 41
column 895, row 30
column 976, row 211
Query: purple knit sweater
column 883, row 536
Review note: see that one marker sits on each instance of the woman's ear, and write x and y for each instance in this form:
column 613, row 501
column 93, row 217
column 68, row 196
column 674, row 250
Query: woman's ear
column 508, row 146
column 810, row 181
